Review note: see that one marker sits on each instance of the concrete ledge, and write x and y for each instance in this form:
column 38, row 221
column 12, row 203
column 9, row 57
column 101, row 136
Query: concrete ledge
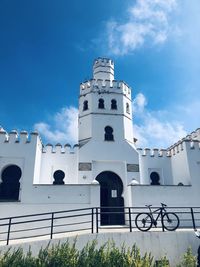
column 171, row 244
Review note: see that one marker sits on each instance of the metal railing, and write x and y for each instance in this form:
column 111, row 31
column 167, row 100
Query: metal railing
column 93, row 220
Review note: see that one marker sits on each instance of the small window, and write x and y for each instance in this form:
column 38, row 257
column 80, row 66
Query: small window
column 113, row 104
column 180, row 184
column 85, row 105
column 101, row 103
column 58, row 177
column 127, row 108
column 155, row 178
column 109, row 133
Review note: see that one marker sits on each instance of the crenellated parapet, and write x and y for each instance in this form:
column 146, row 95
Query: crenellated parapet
column 104, row 87
column 195, row 135
column 15, row 137
column 60, row 149
column 155, row 152
column 103, row 62
column 185, row 143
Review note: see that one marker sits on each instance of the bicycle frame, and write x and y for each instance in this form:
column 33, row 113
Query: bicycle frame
column 161, row 210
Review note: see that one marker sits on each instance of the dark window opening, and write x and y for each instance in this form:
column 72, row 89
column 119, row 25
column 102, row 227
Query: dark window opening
column 101, row 103
column 85, row 105
column 58, row 177
column 155, row 178
column 109, row 133
column 180, row 184
column 113, row 104
column 127, row 108
column 9, row 188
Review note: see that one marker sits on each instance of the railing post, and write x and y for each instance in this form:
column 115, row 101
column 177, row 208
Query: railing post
column 130, row 222
column 97, row 226
column 92, row 220
column 8, row 235
column 163, row 228
column 193, row 220
column 52, row 220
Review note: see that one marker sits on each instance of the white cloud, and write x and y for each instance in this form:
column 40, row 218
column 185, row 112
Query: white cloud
column 139, row 103
column 153, row 128
column 148, row 22
column 63, row 127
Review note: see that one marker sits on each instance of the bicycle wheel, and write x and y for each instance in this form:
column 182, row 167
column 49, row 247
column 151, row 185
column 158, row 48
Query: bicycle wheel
column 143, row 221
column 170, row 221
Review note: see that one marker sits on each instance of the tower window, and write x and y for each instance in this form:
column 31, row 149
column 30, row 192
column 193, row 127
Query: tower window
column 58, row 177
column 85, row 105
column 113, row 104
column 109, row 133
column 155, row 178
column 101, row 103
column 127, row 108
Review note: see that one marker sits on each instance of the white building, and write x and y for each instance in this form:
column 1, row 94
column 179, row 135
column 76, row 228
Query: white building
column 105, row 168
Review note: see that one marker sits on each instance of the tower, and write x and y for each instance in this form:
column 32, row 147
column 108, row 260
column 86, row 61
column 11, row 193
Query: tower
column 105, row 110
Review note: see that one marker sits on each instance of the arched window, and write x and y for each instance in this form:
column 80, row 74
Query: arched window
column 127, row 108
column 101, row 103
column 155, row 178
column 85, row 105
column 9, row 188
column 180, row 184
column 113, row 104
column 58, row 177
column 109, row 133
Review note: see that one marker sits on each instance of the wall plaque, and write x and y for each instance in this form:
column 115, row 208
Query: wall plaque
column 132, row 167
column 85, row 166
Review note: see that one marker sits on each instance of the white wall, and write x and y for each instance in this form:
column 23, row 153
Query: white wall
column 154, row 160
column 179, row 160
column 45, row 198
column 59, row 158
column 182, row 196
column 21, row 150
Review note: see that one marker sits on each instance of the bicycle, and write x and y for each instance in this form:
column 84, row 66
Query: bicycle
column 169, row 220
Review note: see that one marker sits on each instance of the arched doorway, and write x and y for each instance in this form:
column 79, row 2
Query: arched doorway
column 112, row 203
column 9, row 188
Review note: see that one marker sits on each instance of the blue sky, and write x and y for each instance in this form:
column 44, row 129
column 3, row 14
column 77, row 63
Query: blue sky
column 47, row 48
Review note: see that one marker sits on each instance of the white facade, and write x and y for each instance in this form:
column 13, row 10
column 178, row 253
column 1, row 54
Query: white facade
column 106, row 148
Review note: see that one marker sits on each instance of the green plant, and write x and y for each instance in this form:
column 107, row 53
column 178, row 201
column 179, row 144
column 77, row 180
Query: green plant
column 163, row 262
column 107, row 255
column 188, row 260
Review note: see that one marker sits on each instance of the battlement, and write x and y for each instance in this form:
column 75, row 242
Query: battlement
column 17, row 138
column 195, row 135
column 103, row 68
column 102, row 61
column 104, row 86
column 155, row 152
column 59, row 149
column 185, row 143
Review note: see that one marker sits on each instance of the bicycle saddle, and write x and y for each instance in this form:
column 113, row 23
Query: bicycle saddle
column 164, row 205
column 148, row 206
